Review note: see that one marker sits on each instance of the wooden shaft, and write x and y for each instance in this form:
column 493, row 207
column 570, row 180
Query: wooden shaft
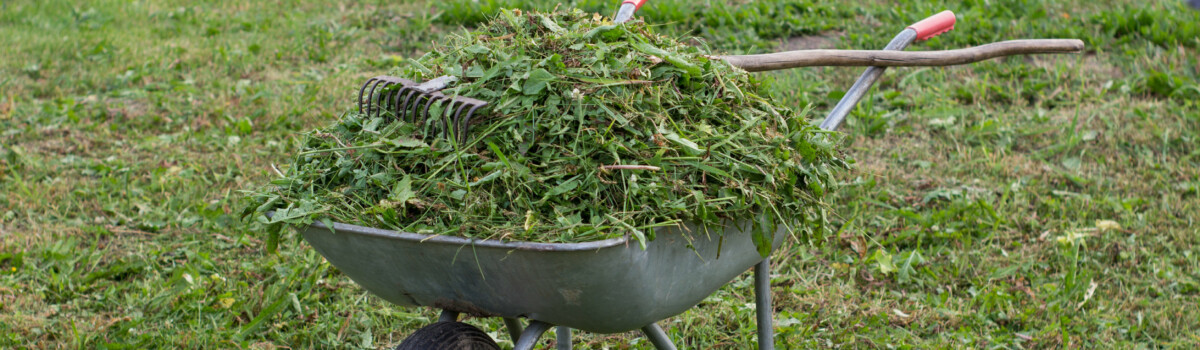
column 810, row 58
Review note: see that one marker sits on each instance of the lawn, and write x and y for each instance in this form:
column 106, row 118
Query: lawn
column 1026, row 202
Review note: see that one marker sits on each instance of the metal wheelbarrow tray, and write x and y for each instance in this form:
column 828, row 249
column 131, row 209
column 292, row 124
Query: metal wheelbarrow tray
column 608, row 286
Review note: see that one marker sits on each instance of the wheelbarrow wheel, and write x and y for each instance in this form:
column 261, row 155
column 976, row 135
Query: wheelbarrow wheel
column 448, row 336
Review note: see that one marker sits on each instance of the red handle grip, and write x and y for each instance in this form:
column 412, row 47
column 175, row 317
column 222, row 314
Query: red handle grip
column 636, row 3
column 934, row 25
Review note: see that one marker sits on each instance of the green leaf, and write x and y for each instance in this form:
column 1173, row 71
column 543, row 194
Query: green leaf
column 328, row 224
column 288, row 214
column 406, row 143
column 488, row 178
column 689, row 147
column 599, row 30
column 402, row 191
column 563, row 187
column 477, row 49
column 549, row 24
column 262, row 317
column 274, row 232
column 639, row 236
column 267, row 205
column 675, row 60
column 884, row 259
column 709, row 169
column 606, row 82
column 538, row 79
column 764, row 234
column 1004, row 272
column 512, row 19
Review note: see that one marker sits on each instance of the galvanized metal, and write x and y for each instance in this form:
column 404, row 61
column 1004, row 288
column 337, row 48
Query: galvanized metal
column 864, row 82
column 625, row 13
column 514, row 328
column 657, row 337
column 562, row 338
column 608, row 286
column 762, row 303
column 531, row 335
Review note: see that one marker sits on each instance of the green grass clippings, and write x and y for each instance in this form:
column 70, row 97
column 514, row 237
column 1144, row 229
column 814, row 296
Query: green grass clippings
column 595, row 130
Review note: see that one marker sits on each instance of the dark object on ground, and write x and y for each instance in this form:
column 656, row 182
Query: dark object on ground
column 448, row 335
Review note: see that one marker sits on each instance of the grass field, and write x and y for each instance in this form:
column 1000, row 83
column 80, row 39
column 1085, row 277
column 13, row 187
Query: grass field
column 1029, row 202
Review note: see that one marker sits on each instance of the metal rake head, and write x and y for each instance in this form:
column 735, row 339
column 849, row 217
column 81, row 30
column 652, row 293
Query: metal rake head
column 406, row 100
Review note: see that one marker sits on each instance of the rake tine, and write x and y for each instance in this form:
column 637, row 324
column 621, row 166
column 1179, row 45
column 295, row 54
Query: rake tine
column 433, row 98
column 465, row 121
column 371, row 97
column 362, row 90
column 448, row 117
column 381, row 98
column 376, row 97
column 392, row 98
column 409, row 100
column 385, row 101
column 395, row 102
column 402, row 100
column 423, row 110
column 454, row 114
column 415, row 109
column 424, row 113
column 455, row 120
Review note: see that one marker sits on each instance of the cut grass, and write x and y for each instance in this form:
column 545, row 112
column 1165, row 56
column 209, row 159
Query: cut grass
column 978, row 215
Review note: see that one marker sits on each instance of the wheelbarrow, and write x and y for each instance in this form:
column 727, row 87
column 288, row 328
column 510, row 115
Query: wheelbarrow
column 609, row 286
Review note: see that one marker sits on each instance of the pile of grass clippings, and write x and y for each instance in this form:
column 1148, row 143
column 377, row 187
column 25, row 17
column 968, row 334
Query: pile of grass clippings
column 595, row 130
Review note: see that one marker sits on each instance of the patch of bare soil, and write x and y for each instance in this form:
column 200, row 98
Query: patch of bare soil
column 823, row 40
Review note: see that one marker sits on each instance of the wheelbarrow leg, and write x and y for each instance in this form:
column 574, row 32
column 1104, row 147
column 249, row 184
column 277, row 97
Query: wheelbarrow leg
column 563, row 335
column 762, row 300
column 657, row 337
column 448, row 316
column 530, row 336
column 514, row 328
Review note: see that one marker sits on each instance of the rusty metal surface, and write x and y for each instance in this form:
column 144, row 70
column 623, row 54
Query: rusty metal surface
column 607, row 286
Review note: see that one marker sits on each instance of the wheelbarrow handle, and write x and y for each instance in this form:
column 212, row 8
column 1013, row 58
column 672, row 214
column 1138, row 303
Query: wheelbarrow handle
column 864, row 82
column 892, row 58
column 933, row 25
column 628, row 7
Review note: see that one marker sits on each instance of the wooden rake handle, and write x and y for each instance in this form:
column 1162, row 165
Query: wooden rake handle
column 810, row 58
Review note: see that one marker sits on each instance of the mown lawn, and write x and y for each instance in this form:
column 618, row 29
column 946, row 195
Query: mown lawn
column 1029, row 202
